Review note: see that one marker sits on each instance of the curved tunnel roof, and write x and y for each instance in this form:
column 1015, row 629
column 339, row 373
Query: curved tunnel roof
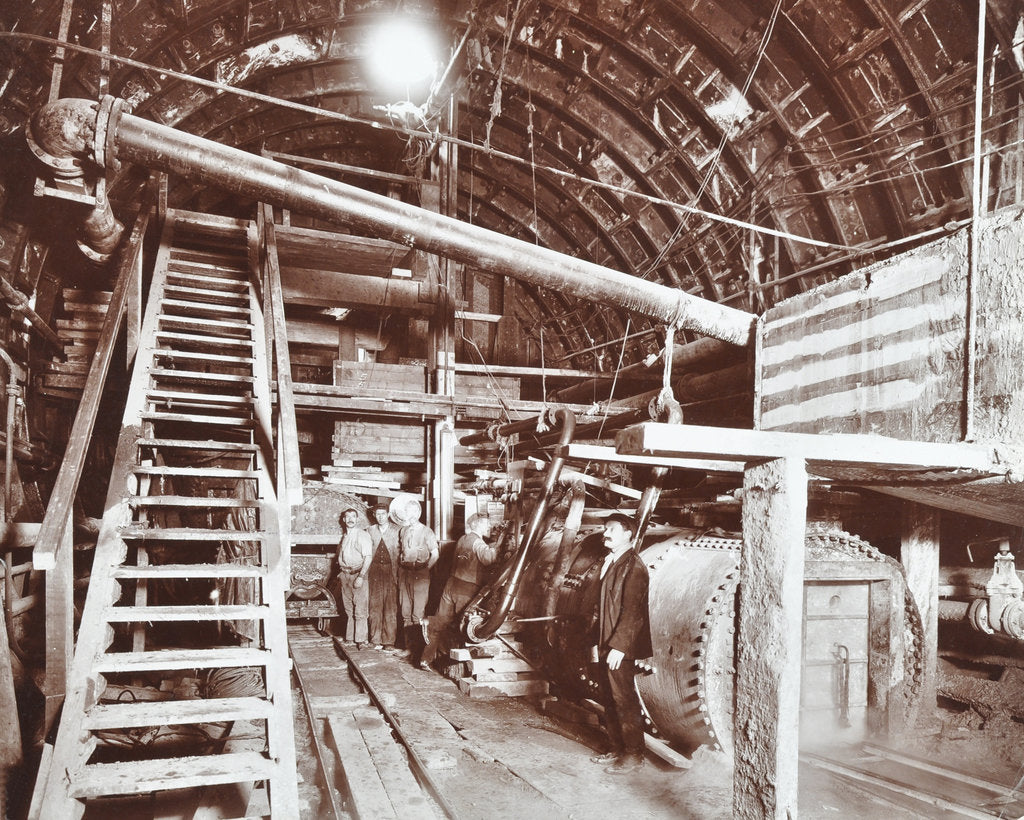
column 641, row 135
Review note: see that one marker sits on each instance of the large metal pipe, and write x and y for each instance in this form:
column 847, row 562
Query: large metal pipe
column 129, row 138
column 57, row 137
column 482, row 629
column 684, row 357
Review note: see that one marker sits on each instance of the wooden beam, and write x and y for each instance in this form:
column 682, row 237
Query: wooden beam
column 328, row 397
column 290, row 469
column 59, row 583
column 1003, row 506
column 332, row 251
column 731, row 444
column 323, row 288
column 65, row 488
column 597, row 452
column 766, row 725
column 919, row 552
column 550, row 373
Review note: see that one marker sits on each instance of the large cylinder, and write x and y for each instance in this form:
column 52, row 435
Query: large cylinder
column 688, row 698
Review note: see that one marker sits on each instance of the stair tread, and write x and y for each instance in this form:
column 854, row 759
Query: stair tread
column 168, row 659
column 211, row 472
column 189, row 571
column 228, row 421
column 216, row 265
column 203, row 307
column 191, row 338
column 169, row 319
column 199, row 444
column 127, row 714
column 170, row 353
column 239, row 296
column 199, row 375
column 189, row 612
column 190, row 501
column 141, row 776
column 188, row 534
column 186, row 397
column 212, row 282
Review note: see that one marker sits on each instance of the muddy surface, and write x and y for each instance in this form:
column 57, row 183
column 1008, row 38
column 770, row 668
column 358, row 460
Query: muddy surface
column 505, row 759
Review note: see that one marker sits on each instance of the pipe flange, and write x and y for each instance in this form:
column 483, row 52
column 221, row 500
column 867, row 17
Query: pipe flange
column 107, row 119
column 1012, row 619
column 91, row 253
column 65, row 167
column 977, row 614
column 473, row 622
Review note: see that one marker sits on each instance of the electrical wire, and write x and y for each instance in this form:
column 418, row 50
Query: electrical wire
column 375, row 124
column 714, row 163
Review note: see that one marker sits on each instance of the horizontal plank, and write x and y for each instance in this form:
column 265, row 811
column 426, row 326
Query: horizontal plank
column 142, row 776
column 185, row 397
column 184, row 571
column 216, row 342
column 205, row 281
column 188, row 534
column 195, row 472
column 191, row 612
column 199, row 376
column 169, row 659
column 191, row 444
column 196, row 418
column 132, row 714
column 188, row 306
column 190, row 501
column 227, row 297
column 731, row 444
column 206, row 357
column 598, row 452
column 206, row 326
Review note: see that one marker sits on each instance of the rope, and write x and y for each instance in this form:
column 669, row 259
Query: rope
column 615, row 379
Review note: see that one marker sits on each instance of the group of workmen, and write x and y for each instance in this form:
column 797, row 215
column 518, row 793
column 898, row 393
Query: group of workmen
column 384, row 571
column 384, row 579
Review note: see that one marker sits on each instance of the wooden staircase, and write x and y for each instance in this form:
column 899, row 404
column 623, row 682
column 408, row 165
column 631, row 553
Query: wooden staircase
column 189, row 577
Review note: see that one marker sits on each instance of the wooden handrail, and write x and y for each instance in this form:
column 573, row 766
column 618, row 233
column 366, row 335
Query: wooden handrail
column 288, row 438
column 65, row 488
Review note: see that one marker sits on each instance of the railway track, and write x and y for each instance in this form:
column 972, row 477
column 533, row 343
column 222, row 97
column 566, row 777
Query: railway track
column 367, row 767
column 909, row 780
column 388, row 740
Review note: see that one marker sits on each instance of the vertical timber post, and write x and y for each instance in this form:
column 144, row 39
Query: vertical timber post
column 919, row 553
column 766, row 726
column 59, row 627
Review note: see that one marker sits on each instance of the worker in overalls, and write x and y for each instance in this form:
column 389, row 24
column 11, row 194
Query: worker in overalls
column 383, row 581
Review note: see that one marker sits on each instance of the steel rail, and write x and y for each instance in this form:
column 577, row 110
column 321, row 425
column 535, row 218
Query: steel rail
column 418, row 767
column 889, row 784
column 338, row 812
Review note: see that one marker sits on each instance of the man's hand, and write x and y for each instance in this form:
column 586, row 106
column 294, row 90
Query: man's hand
column 615, row 657
column 358, row 582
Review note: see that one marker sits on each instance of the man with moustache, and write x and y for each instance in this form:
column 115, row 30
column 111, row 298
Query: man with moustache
column 624, row 636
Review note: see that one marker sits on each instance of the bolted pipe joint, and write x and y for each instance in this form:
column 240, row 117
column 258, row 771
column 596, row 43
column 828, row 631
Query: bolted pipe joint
column 63, row 134
column 66, row 136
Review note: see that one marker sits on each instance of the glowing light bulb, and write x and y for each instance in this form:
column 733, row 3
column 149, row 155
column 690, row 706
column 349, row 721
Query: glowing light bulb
column 402, row 53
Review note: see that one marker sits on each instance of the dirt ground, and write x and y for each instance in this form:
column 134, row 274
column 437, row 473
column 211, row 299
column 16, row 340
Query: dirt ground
column 504, row 759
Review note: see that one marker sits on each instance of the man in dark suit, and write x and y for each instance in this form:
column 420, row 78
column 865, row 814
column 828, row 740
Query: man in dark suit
column 624, row 636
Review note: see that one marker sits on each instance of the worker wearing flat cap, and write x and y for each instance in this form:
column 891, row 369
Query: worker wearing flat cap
column 624, row 636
